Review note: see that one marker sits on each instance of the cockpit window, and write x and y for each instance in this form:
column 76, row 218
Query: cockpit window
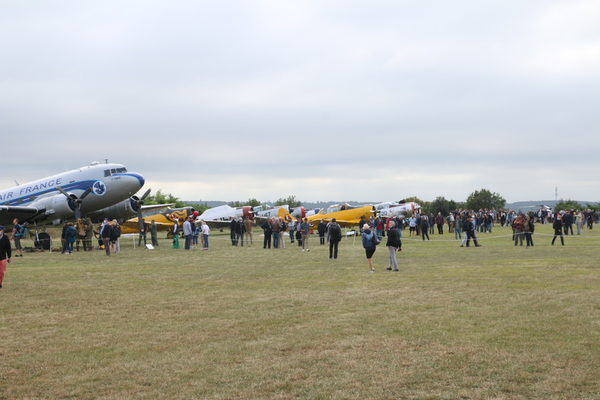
column 110, row 172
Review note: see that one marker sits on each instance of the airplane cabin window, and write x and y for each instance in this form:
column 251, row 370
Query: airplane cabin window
column 113, row 171
column 106, row 172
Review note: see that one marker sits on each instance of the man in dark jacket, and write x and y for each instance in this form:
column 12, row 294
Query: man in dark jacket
column 393, row 244
column 5, row 253
column 334, row 235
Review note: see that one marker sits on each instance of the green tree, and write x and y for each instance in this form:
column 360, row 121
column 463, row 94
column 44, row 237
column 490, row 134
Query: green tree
column 440, row 205
column 567, row 205
column 235, row 204
column 484, row 199
column 290, row 201
column 253, row 202
column 595, row 207
column 161, row 198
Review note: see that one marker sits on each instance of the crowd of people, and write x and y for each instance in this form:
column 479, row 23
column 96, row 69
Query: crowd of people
column 464, row 224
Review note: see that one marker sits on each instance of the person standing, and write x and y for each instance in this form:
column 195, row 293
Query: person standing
column 115, row 236
column 579, row 221
column 517, row 226
column 425, row 227
column 470, row 232
column 89, row 234
column 5, row 254
column 105, row 234
column 16, row 236
column 567, row 220
column 292, row 229
column 305, row 231
column 439, row 221
column 268, row 231
column 322, row 229
column 393, row 244
column 282, row 229
column 70, row 238
column 188, row 232
column 334, row 236
column 276, row 228
column 143, row 231
column 368, row 242
column 240, row 229
column 205, row 232
column 154, row 233
column 175, row 232
column 528, row 228
column 558, row 229
column 248, row 226
column 232, row 226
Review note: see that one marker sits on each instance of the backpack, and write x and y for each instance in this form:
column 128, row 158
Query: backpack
column 21, row 232
column 376, row 240
column 71, row 233
column 335, row 232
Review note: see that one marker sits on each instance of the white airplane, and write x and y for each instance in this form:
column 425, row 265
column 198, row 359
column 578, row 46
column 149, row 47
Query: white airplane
column 225, row 213
column 97, row 190
column 279, row 211
column 391, row 209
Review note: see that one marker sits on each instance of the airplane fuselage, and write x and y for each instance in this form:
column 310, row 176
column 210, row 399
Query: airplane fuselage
column 109, row 183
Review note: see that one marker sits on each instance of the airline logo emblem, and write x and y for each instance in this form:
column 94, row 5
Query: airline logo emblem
column 99, row 188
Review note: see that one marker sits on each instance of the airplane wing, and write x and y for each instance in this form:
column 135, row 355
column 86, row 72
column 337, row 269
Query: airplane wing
column 9, row 213
column 151, row 207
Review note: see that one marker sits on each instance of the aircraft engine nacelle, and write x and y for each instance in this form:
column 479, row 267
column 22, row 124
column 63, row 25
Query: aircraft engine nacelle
column 120, row 211
column 57, row 207
column 298, row 212
column 244, row 212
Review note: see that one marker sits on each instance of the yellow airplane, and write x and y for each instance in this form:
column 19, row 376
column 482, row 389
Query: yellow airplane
column 163, row 217
column 345, row 215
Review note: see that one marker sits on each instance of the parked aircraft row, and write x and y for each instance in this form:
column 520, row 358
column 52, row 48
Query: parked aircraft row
column 108, row 191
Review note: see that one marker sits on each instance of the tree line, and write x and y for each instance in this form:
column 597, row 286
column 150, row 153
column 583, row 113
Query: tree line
column 479, row 199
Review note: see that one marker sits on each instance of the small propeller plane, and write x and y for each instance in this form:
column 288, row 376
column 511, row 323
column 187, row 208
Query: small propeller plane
column 225, row 213
column 344, row 214
column 391, row 209
column 279, row 211
column 101, row 190
column 164, row 217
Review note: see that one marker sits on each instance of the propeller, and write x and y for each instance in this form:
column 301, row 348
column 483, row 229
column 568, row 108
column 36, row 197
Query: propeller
column 75, row 202
column 138, row 208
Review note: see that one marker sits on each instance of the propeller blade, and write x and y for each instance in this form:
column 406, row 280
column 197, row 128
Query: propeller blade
column 85, row 194
column 145, row 195
column 62, row 191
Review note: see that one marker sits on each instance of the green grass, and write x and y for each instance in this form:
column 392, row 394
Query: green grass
column 495, row 322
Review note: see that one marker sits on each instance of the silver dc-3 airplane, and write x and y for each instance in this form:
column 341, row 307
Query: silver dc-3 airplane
column 97, row 190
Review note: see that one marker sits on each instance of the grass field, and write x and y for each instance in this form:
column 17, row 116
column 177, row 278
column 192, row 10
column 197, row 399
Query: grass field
column 495, row 322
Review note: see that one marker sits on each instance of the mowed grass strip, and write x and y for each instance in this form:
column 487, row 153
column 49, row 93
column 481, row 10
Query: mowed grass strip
column 495, row 322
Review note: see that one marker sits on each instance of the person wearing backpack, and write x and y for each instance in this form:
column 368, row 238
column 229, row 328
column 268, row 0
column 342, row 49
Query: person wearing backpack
column 370, row 245
column 16, row 236
column 334, row 236
column 70, row 238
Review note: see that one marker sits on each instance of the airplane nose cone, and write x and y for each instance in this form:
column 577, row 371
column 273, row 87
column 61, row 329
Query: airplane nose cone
column 139, row 177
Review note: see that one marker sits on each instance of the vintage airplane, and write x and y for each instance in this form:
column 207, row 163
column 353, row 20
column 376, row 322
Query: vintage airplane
column 392, row 209
column 164, row 218
column 225, row 213
column 279, row 211
column 101, row 190
column 344, row 214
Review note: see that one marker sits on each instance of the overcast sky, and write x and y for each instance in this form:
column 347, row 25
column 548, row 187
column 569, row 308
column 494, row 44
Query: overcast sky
column 323, row 100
